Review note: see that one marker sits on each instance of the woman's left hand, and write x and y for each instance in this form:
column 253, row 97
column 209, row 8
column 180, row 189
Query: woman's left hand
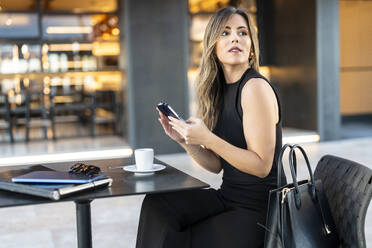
column 194, row 131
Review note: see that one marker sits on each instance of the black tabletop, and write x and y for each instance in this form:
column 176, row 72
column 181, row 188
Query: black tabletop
column 124, row 183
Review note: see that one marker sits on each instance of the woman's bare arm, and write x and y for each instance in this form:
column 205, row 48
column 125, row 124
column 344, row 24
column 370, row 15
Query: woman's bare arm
column 204, row 157
column 260, row 115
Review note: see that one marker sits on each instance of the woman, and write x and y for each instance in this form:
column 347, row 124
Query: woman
column 243, row 112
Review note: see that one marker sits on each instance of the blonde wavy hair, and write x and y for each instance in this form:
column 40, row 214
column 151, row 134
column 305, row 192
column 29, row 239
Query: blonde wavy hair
column 210, row 77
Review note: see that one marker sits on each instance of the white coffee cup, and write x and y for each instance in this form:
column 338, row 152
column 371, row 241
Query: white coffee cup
column 144, row 158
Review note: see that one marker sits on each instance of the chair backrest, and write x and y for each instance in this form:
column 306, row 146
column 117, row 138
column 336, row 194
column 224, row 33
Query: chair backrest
column 4, row 106
column 348, row 187
column 4, row 111
column 5, row 118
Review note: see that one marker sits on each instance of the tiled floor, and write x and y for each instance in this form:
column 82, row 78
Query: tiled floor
column 114, row 221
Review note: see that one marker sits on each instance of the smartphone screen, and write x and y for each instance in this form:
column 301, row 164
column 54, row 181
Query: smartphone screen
column 168, row 110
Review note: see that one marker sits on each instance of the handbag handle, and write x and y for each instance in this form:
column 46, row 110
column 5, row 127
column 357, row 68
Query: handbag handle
column 292, row 164
column 280, row 164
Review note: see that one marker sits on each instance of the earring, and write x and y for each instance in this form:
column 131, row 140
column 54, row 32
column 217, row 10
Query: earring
column 250, row 60
column 251, row 54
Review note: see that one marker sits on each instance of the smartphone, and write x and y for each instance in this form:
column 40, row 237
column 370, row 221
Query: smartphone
column 167, row 110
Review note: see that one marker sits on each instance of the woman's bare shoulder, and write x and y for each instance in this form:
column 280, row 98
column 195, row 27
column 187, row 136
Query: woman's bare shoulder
column 256, row 88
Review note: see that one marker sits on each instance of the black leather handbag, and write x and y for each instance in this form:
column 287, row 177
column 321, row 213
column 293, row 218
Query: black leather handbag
column 298, row 213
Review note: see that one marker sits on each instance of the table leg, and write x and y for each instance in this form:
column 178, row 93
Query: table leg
column 83, row 221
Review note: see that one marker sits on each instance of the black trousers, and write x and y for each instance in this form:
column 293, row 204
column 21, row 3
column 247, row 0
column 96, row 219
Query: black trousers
column 199, row 219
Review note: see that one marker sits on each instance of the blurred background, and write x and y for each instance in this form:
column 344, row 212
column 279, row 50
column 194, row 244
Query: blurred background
column 97, row 68
column 79, row 80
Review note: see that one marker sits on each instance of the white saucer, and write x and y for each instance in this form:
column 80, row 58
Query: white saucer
column 133, row 168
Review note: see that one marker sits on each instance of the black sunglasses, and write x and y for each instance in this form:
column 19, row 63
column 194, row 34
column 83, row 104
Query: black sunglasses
column 86, row 169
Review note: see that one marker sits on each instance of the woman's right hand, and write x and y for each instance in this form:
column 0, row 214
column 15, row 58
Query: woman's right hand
column 173, row 134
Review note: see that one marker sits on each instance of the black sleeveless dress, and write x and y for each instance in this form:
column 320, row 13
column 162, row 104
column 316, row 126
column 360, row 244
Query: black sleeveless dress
column 221, row 218
column 240, row 188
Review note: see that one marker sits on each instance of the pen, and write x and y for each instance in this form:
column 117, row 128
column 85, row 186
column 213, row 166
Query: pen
column 116, row 167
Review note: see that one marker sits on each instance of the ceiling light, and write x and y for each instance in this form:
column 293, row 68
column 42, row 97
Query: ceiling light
column 45, row 48
column 69, row 47
column 24, row 49
column 69, row 30
column 106, row 48
column 9, row 22
column 115, row 31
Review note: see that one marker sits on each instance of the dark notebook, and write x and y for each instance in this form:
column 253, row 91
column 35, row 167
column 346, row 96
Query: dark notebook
column 55, row 177
column 47, row 190
column 54, row 192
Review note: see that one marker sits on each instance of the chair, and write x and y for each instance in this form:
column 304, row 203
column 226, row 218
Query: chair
column 38, row 113
column 5, row 120
column 18, row 103
column 31, row 112
column 348, row 187
column 105, row 110
column 71, row 104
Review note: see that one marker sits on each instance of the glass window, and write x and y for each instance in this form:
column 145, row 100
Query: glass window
column 81, row 27
column 80, row 6
column 18, row 5
column 68, row 57
column 197, row 27
column 18, row 26
column 62, row 57
column 21, row 58
column 67, row 27
column 196, row 6
column 196, row 50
